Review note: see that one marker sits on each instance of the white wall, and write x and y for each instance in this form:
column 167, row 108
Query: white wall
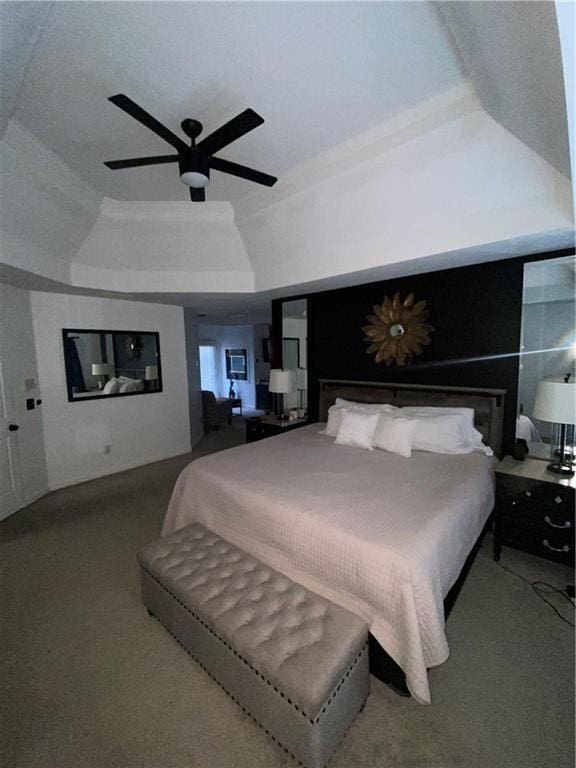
column 88, row 439
column 261, row 368
column 19, row 360
column 232, row 337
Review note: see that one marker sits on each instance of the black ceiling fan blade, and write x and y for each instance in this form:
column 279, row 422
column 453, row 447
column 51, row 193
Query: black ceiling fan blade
column 219, row 164
column 197, row 195
column 129, row 106
column 243, row 123
column 135, row 162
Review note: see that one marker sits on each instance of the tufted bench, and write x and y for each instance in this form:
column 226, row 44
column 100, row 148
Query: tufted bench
column 295, row 662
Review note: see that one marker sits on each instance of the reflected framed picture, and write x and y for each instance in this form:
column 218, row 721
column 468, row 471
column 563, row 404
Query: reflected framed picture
column 237, row 364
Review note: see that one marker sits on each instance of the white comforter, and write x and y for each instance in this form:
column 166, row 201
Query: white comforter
column 381, row 535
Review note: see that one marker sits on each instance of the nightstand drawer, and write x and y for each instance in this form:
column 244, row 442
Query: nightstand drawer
column 553, row 545
column 530, row 513
column 254, row 430
column 546, row 494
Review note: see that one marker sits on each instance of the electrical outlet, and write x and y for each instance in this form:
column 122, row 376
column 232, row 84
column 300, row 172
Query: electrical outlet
column 107, row 449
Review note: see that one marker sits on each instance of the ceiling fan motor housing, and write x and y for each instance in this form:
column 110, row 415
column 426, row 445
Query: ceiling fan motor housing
column 194, row 168
column 192, row 128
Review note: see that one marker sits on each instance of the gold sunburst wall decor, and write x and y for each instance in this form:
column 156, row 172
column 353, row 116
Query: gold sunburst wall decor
column 397, row 330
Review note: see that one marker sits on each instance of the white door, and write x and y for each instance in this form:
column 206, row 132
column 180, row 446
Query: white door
column 11, row 495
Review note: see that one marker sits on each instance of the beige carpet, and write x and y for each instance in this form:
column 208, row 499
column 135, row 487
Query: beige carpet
column 89, row 680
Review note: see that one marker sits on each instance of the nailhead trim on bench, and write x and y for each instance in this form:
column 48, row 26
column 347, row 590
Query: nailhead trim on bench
column 256, row 672
column 235, row 700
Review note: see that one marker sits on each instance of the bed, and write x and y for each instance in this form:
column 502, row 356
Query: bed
column 384, row 536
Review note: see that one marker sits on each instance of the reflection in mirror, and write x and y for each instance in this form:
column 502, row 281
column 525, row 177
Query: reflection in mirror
column 548, row 347
column 109, row 363
column 294, row 352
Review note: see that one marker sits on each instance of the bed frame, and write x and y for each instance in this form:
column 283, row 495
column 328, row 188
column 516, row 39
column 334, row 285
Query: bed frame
column 488, row 405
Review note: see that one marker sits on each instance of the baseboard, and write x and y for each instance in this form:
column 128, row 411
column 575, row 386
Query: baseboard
column 35, row 496
column 122, row 468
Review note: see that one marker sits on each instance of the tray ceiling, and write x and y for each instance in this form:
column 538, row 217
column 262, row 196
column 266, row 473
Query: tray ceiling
column 319, row 73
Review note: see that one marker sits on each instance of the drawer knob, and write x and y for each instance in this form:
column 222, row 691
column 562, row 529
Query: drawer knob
column 558, row 499
column 566, row 524
column 528, row 493
column 565, row 548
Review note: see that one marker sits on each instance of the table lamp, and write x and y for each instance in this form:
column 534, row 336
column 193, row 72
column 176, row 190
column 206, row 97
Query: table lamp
column 151, row 374
column 281, row 383
column 301, row 385
column 100, row 370
column 556, row 403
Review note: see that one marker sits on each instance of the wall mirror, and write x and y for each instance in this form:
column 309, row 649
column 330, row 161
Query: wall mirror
column 111, row 363
column 548, row 345
column 294, row 351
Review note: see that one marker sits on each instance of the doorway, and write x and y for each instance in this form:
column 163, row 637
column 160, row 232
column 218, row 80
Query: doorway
column 209, row 368
column 11, row 494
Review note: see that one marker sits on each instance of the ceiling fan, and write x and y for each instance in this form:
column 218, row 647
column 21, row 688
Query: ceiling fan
column 195, row 161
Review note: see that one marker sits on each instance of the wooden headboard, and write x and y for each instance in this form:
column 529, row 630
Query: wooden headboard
column 488, row 404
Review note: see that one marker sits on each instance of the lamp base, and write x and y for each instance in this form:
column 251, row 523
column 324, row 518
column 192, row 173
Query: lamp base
column 560, row 469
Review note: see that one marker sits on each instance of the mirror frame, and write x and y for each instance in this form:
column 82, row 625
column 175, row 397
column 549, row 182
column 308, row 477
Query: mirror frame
column 112, row 332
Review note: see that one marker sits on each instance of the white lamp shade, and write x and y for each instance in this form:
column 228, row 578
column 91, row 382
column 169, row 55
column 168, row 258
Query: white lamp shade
column 281, row 382
column 556, row 401
column 302, row 378
column 151, row 373
column 100, row 369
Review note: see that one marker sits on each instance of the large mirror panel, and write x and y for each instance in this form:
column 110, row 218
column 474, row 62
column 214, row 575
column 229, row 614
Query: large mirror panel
column 111, row 363
column 548, row 347
column 294, row 352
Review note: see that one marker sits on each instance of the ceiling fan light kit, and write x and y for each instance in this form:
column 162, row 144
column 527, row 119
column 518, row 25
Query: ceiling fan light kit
column 194, row 169
column 196, row 160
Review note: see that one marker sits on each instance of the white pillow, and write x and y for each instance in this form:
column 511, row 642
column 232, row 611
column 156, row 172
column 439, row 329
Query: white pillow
column 357, row 428
column 442, row 434
column 471, row 435
column 111, row 387
column 368, row 406
column 335, row 413
column 131, row 385
column 395, row 434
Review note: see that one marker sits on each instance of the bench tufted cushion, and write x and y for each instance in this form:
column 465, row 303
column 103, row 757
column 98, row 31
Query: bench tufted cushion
column 299, row 642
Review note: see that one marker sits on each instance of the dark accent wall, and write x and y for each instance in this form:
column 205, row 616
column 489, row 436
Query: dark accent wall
column 476, row 312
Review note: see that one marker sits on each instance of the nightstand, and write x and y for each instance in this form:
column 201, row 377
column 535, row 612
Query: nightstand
column 261, row 427
column 534, row 510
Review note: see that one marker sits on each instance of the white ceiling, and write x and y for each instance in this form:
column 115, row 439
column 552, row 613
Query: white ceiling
column 512, row 52
column 252, row 308
column 319, row 73
column 20, row 26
